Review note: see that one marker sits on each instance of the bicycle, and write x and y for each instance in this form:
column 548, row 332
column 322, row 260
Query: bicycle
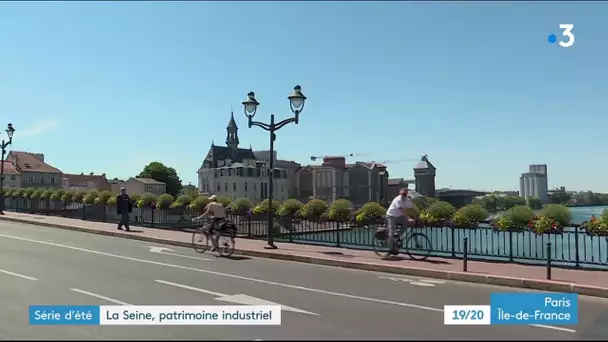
column 225, row 240
column 418, row 240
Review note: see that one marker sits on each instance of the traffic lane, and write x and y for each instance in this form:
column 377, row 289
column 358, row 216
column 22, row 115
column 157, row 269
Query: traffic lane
column 19, row 294
column 128, row 284
column 346, row 316
column 133, row 283
column 436, row 293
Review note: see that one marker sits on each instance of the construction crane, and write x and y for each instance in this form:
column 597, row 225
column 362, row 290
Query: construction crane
column 314, row 158
column 388, row 161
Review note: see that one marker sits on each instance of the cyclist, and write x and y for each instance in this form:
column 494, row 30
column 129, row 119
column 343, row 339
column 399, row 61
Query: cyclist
column 217, row 212
column 396, row 216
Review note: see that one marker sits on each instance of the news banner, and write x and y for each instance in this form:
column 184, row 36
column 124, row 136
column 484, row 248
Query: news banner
column 504, row 308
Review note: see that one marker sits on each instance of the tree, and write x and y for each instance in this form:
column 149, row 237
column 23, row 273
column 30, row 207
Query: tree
column 161, row 173
column 534, row 203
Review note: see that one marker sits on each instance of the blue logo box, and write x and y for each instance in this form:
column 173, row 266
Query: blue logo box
column 534, row 308
column 64, row 315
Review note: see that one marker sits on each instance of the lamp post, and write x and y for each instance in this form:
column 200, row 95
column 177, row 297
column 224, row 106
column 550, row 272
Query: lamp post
column 9, row 132
column 296, row 102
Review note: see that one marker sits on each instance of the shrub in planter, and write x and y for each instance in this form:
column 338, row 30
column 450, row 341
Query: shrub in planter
column 28, row 192
column 67, row 196
column 199, row 204
column 19, row 193
column 146, row 200
column 371, row 213
column 313, row 210
column 515, row 219
column 103, row 197
column 111, row 200
column 36, row 193
column 290, row 207
column 439, row 212
column 469, row 216
column 596, row 226
column 56, row 195
column 604, row 215
column 90, row 197
column 241, row 206
column 557, row 212
column 225, row 201
column 78, row 196
column 182, row 201
column 340, row 210
column 135, row 197
column 46, row 194
column 164, row 201
column 9, row 192
column 263, row 207
column 545, row 225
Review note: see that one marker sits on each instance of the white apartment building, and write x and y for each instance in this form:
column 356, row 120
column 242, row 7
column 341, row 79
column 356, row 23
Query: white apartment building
column 235, row 172
column 535, row 183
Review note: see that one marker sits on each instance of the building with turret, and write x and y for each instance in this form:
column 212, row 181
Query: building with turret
column 235, row 172
column 424, row 175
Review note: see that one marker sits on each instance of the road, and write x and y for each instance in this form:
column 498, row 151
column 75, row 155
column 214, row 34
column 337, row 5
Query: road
column 45, row 266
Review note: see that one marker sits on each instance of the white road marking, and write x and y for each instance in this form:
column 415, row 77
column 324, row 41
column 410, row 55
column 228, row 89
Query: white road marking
column 157, row 249
column 17, row 275
column 417, row 283
column 192, row 288
column 241, row 299
column 161, row 250
column 552, row 327
column 431, row 281
column 296, row 287
column 100, row 297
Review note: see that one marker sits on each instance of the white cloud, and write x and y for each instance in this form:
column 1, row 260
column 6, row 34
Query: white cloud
column 37, row 128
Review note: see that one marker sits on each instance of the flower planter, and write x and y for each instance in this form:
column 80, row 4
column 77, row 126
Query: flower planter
column 555, row 231
column 597, row 232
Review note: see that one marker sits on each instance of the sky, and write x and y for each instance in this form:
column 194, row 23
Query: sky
column 108, row 87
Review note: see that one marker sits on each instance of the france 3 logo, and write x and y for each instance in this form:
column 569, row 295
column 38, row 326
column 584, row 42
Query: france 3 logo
column 567, row 39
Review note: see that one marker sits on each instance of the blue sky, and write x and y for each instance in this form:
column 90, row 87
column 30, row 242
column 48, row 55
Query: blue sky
column 108, row 87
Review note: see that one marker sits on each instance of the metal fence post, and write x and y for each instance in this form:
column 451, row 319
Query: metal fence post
column 510, row 246
column 576, row 250
column 453, row 231
column 549, row 260
column 337, row 233
column 465, row 254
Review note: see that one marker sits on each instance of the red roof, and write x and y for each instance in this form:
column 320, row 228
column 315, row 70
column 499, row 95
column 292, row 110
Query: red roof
column 9, row 168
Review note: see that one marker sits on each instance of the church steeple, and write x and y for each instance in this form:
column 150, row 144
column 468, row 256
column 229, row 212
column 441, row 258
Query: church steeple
column 232, row 136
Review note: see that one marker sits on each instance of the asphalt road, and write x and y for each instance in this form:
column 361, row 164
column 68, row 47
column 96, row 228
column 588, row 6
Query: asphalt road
column 57, row 267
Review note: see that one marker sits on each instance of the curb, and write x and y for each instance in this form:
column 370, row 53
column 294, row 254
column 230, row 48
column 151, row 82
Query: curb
column 535, row 284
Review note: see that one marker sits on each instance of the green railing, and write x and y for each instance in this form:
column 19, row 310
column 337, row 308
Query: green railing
column 572, row 248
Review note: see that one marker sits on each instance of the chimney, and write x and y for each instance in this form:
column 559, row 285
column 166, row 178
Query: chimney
column 90, row 174
column 39, row 156
column 103, row 174
column 337, row 162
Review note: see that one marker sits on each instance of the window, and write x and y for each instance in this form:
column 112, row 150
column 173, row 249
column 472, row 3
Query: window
column 221, row 173
column 30, row 179
column 215, row 174
column 13, row 178
column 52, row 180
column 255, row 186
column 234, row 187
column 234, row 198
column 41, row 179
column 250, row 172
column 229, row 172
column 245, row 186
column 282, row 188
column 226, row 187
column 239, row 171
column 218, row 187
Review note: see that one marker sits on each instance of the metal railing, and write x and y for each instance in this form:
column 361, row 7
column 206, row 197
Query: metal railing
column 573, row 248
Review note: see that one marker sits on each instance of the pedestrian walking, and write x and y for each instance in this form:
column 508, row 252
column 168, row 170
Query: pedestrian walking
column 124, row 207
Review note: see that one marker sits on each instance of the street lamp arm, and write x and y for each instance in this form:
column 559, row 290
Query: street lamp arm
column 283, row 123
column 260, row 124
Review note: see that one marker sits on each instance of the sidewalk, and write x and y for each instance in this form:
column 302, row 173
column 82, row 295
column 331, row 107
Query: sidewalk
column 592, row 283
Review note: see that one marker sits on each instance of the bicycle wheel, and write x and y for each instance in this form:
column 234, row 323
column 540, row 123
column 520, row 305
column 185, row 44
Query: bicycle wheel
column 225, row 243
column 418, row 246
column 200, row 241
column 380, row 243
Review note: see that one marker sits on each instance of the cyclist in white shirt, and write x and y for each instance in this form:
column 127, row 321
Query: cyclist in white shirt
column 395, row 216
